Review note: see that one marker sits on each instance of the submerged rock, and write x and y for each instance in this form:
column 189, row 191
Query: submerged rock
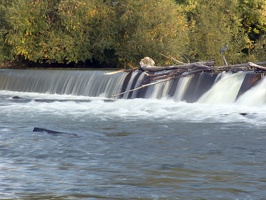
column 16, row 97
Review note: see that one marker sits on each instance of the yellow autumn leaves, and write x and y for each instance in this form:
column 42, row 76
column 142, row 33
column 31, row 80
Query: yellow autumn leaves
column 115, row 33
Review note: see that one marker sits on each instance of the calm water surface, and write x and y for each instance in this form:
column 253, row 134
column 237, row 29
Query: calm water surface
column 130, row 149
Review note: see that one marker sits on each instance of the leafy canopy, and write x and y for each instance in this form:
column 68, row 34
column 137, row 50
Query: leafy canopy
column 116, row 33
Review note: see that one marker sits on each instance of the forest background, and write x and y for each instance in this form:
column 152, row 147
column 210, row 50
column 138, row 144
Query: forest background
column 118, row 33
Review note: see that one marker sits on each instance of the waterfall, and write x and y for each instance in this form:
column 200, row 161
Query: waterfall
column 158, row 91
column 241, row 87
column 181, row 88
column 257, row 93
column 134, row 82
column 225, row 90
column 74, row 82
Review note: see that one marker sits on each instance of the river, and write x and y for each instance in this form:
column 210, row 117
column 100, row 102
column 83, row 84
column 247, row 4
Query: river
column 130, row 148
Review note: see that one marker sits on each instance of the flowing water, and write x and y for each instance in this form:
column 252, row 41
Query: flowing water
column 155, row 147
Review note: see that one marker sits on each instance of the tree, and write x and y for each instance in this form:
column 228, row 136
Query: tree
column 150, row 28
column 253, row 20
column 29, row 23
column 253, row 17
column 4, row 47
column 117, row 33
column 113, row 33
column 213, row 25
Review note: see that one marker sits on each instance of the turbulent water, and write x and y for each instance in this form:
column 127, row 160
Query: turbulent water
column 153, row 148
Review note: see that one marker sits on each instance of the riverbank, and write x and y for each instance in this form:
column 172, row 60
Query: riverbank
column 7, row 65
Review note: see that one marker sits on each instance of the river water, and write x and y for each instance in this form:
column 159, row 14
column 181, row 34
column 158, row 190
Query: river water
column 130, row 148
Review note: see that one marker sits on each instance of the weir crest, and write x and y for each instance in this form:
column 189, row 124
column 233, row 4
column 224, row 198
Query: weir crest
column 203, row 87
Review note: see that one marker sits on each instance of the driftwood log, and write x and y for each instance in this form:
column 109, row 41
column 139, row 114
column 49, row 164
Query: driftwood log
column 52, row 132
column 190, row 66
column 242, row 67
column 148, row 66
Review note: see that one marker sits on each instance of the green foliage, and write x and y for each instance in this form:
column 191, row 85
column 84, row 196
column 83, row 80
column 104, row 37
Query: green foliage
column 213, row 25
column 253, row 17
column 4, row 48
column 253, row 20
column 117, row 33
column 239, row 23
column 150, row 29
column 29, row 22
column 258, row 52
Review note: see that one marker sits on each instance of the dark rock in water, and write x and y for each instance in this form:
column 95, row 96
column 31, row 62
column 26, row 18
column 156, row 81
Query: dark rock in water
column 242, row 113
column 109, row 100
column 22, row 100
column 36, row 129
column 70, row 100
column 19, row 99
column 61, row 100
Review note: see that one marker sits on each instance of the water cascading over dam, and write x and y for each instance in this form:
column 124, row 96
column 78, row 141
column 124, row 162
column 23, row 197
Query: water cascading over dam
column 202, row 87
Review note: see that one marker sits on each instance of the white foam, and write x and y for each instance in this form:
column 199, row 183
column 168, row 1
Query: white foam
column 132, row 109
column 256, row 96
column 225, row 90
